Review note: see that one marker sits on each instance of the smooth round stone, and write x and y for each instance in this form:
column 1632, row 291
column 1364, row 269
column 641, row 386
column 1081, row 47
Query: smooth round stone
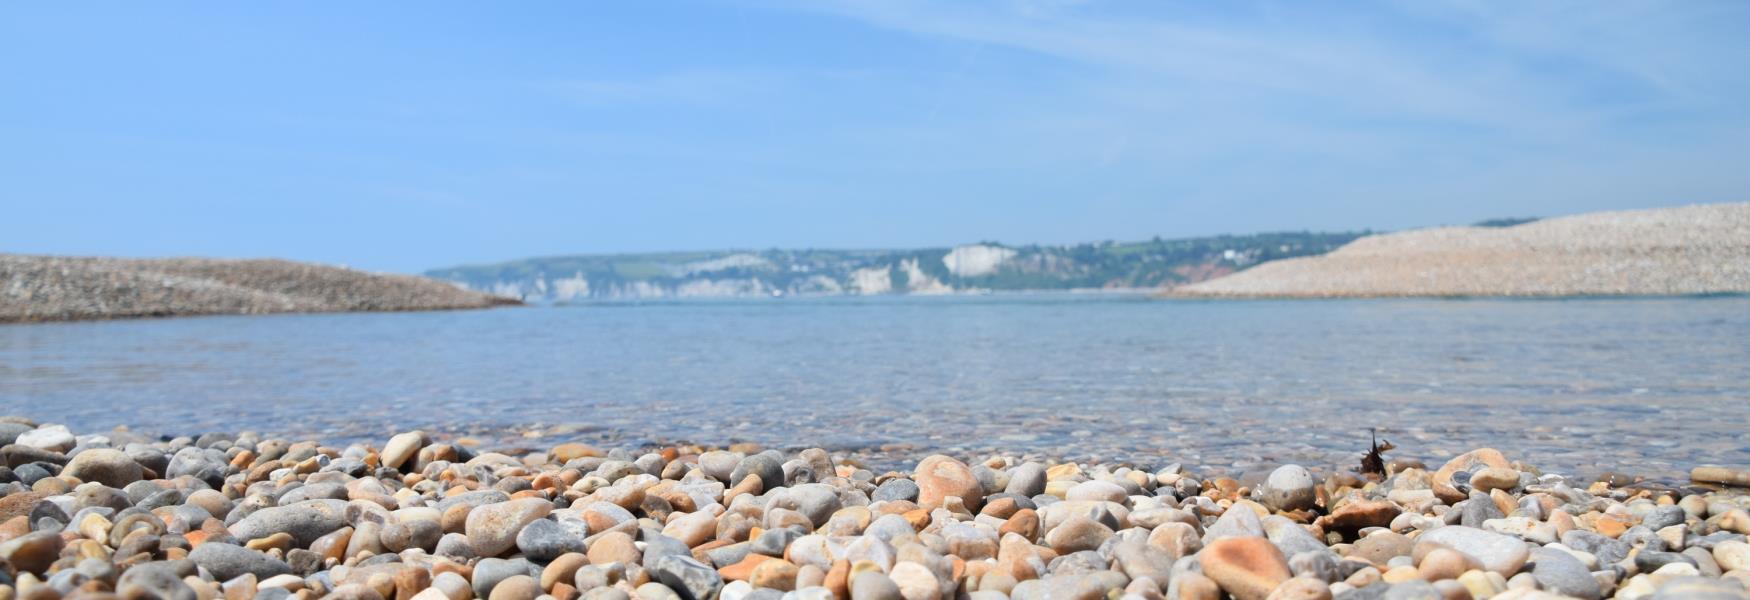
column 1325, row 566
column 401, row 448
column 814, row 500
column 1302, row 588
column 1290, row 487
column 1732, row 555
column 775, row 574
column 1560, row 572
column 403, row 535
column 1662, row 517
column 305, row 521
column 1191, row 585
column 1236, row 521
column 156, row 580
column 886, row 527
column 688, row 577
column 109, row 467
column 453, row 585
column 915, row 582
column 1445, row 563
column 1026, row 480
column 719, row 464
column 1608, row 551
column 1248, row 568
column 1468, row 462
column 493, row 528
column 1076, row 534
column 455, row 546
column 543, row 540
column 1361, row 514
column 873, row 585
column 692, row 529
column 770, row 470
column 53, row 438
column 1495, row 478
column 516, row 587
column 1648, row 561
column 32, row 552
column 1176, row 539
column 940, row 477
column 1290, row 537
column 613, row 546
column 895, row 489
column 656, row 591
column 9, row 432
column 489, row 572
column 1699, row 588
column 1499, row 553
column 226, row 561
column 562, row 569
column 1095, row 491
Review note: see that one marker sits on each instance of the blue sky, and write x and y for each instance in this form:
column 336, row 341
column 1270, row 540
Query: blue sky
column 404, row 137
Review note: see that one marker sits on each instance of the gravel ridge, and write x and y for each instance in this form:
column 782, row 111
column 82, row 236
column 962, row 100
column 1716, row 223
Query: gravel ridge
column 1690, row 250
column 59, row 288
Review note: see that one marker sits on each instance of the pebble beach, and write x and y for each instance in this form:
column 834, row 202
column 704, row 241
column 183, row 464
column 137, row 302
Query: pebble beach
column 1700, row 249
column 431, row 517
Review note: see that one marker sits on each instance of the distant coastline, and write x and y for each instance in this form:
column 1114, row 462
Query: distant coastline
column 59, row 288
column 968, row 268
column 1687, row 251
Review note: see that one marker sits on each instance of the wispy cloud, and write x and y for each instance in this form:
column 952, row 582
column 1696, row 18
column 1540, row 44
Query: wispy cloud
column 1538, row 69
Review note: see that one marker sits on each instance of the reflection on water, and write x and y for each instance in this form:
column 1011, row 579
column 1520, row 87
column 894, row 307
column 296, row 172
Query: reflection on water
column 1641, row 385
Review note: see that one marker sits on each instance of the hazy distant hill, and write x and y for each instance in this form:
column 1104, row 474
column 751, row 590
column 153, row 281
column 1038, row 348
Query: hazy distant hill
column 58, row 288
column 1701, row 249
column 982, row 266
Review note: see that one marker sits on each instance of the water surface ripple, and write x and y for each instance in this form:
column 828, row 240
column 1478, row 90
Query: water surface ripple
column 1630, row 385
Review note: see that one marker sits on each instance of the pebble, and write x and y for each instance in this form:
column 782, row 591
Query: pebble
column 1480, row 458
column 516, row 587
column 1248, row 568
column 402, row 448
column 226, row 561
column 1382, row 547
column 1096, row 491
column 543, row 540
column 613, row 547
column 1026, row 480
column 51, row 438
column 493, row 528
column 304, row 521
column 874, row 585
column 896, row 489
column 274, row 519
column 1076, row 534
column 940, row 477
column 112, row 468
column 1560, row 572
column 1498, row 553
column 769, row 469
column 1290, row 487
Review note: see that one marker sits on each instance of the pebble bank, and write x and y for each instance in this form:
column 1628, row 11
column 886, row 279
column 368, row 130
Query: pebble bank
column 1703, row 249
column 57, row 288
column 241, row 516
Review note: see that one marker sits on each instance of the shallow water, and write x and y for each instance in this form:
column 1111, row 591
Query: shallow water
column 1649, row 386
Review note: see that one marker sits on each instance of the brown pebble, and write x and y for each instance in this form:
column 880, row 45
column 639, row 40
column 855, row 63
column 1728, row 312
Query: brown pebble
column 516, row 587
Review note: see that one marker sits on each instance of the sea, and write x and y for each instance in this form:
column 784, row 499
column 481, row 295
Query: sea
column 1638, row 386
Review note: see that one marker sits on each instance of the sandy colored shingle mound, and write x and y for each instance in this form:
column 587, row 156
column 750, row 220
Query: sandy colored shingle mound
column 52, row 288
column 1702, row 249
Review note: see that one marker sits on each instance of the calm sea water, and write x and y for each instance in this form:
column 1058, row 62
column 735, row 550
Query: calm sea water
column 1630, row 385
